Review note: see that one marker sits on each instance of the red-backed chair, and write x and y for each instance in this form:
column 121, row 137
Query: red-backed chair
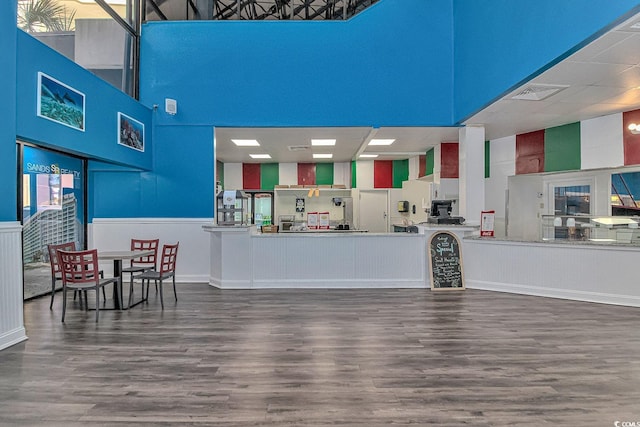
column 142, row 264
column 56, row 272
column 80, row 272
column 167, row 269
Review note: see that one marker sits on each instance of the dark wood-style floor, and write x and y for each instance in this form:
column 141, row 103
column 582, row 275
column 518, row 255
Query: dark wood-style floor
column 326, row 357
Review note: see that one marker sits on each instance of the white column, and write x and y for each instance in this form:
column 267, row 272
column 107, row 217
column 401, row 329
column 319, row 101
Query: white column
column 11, row 297
column 471, row 171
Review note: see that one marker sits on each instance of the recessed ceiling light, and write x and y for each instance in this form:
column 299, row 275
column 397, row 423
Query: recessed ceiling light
column 323, row 142
column 322, row 156
column 368, row 155
column 381, row 141
column 260, row 156
column 246, row 142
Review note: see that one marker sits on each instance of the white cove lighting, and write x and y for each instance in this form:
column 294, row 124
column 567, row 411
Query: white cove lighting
column 323, row 156
column 382, row 141
column 260, row 156
column 246, row 142
column 324, row 142
column 368, row 156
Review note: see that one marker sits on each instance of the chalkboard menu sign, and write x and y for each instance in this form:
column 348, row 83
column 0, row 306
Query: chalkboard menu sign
column 445, row 262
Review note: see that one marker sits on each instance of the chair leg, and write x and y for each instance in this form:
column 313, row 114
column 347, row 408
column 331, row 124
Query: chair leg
column 130, row 291
column 161, row 298
column 64, row 301
column 98, row 302
column 53, row 291
column 174, row 287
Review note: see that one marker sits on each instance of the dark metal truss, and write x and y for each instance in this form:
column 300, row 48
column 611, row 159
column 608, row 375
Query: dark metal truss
column 253, row 9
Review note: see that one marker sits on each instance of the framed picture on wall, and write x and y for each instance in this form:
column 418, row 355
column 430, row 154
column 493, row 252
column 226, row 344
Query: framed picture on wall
column 130, row 132
column 60, row 103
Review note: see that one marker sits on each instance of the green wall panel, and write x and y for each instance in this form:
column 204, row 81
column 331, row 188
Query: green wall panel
column 400, row 172
column 487, row 159
column 353, row 174
column 269, row 176
column 562, row 148
column 324, row 173
column 430, row 162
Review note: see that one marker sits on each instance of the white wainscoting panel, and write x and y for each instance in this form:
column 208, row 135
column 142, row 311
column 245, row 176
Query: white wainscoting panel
column 11, row 294
column 583, row 272
column 194, row 257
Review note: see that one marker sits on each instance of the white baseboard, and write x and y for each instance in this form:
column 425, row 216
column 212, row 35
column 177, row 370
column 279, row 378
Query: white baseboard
column 14, row 337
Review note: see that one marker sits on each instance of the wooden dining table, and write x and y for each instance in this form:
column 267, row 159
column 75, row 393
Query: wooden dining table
column 117, row 257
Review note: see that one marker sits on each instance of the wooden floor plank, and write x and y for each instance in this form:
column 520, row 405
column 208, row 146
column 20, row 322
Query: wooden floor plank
column 326, row 357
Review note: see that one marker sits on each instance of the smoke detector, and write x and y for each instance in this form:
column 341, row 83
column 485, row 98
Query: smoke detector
column 538, row 92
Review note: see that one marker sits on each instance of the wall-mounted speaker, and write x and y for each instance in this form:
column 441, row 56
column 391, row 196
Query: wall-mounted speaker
column 171, row 106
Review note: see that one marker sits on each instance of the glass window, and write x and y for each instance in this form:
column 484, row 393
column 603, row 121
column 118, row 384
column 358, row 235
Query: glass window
column 625, row 193
column 572, row 200
column 85, row 33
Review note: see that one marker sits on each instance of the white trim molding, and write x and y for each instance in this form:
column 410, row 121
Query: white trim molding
column 12, row 329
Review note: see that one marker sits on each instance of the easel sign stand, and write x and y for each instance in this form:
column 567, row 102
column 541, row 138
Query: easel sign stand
column 445, row 262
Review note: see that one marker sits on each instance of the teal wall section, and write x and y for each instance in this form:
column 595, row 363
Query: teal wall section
column 8, row 162
column 102, row 103
column 400, row 172
column 562, row 148
column 430, row 162
column 324, row 173
column 500, row 44
column 269, row 175
column 391, row 65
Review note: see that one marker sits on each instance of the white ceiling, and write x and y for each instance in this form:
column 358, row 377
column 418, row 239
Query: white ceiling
column 600, row 79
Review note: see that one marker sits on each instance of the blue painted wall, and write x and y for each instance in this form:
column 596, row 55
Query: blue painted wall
column 8, row 186
column 501, row 44
column 102, row 102
column 389, row 66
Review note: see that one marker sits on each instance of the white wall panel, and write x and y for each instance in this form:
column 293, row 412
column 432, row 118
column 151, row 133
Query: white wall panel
column 342, row 173
column 233, row 176
column 601, row 142
column 502, row 165
column 364, row 175
column 193, row 255
column 288, row 173
column 11, row 295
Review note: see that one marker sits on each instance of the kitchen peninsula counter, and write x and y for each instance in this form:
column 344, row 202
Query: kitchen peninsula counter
column 243, row 258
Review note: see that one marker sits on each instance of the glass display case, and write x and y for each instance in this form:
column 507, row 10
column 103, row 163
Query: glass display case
column 232, row 208
column 592, row 228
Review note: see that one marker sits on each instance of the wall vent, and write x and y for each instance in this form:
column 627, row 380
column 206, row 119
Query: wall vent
column 538, row 92
column 299, row 147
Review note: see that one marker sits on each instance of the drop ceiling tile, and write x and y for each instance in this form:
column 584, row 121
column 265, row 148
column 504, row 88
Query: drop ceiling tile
column 579, row 73
column 587, row 53
column 626, row 52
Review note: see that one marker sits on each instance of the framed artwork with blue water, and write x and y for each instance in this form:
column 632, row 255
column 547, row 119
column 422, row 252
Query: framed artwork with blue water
column 60, row 103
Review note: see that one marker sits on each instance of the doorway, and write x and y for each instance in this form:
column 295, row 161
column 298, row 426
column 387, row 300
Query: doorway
column 52, row 210
column 373, row 211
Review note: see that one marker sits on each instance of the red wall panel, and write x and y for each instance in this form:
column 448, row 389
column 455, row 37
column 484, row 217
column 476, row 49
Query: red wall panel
column 383, row 174
column 251, row 176
column 306, row 174
column 422, row 168
column 530, row 152
column 631, row 142
column 449, row 160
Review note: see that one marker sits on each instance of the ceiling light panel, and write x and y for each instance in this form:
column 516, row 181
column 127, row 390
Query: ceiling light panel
column 260, row 156
column 369, row 156
column 322, row 156
column 382, row 141
column 246, row 142
column 323, row 142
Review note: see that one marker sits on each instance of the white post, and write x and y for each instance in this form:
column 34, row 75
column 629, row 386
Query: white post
column 471, row 183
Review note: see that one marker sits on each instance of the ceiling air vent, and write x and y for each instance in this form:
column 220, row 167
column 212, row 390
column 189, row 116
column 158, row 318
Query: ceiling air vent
column 299, row 147
column 538, row 92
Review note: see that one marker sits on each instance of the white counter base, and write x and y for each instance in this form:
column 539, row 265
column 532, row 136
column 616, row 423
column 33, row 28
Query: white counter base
column 243, row 259
column 12, row 329
column 582, row 272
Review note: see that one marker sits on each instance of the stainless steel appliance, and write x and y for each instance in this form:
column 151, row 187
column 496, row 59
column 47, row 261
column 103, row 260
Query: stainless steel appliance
column 286, row 222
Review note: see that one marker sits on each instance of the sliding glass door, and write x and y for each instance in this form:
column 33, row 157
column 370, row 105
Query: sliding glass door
column 52, row 211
